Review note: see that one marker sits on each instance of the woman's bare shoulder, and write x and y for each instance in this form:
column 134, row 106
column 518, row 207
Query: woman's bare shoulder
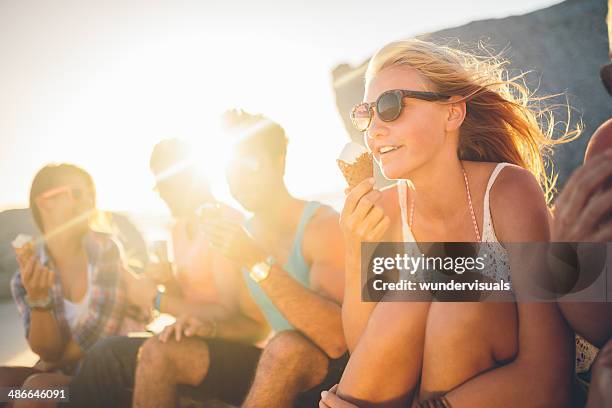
column 480, row 171
column 518, row 206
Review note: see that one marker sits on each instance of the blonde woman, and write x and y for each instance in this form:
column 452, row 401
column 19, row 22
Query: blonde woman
column 471, row 142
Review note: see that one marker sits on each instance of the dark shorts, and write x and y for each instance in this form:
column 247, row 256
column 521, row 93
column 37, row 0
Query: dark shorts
column 106, row 377
column 232, row 369
column 230, row 372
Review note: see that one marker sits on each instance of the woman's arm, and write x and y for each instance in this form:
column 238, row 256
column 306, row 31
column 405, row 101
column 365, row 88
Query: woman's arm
column 363, row 219
column 355, row 312
column 42, row 330
column 71, row 355
column 45, row 337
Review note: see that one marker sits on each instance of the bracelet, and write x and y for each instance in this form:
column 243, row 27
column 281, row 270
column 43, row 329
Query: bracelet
column 157, row 301
column 43, row 304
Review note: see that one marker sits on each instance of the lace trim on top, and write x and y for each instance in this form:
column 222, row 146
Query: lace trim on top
column 586, row 353
column 497, row 265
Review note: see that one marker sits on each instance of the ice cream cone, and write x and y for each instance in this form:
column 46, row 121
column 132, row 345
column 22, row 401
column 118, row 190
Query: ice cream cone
column 355, row 162
column 21, row 240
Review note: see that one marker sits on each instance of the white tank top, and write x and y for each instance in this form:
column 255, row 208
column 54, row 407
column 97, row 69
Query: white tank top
column 497, row 266
column 77, row 311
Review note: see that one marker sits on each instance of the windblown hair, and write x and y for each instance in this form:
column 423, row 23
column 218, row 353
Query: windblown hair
column 504, row 122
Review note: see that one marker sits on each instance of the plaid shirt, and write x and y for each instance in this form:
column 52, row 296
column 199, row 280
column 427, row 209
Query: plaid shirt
column 109, row 312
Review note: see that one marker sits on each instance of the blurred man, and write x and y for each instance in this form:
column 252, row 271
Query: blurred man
column 584, row 214
column 292, row 260
column 200, row 283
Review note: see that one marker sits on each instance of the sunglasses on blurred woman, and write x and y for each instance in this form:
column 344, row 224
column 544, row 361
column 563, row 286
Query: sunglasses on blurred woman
column 388, row 106
column 74, row 193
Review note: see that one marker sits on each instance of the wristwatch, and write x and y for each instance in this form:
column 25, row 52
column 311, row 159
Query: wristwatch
column 42, row 304
column 261, row 270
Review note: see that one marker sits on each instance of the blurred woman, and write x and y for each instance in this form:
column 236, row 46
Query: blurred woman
column 472, row 142
column 71, row 284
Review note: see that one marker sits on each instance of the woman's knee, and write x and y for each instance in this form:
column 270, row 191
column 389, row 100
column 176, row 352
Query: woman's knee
column 398, row 324
column 11, row 377
column 490, row 328
column 46, row 380
column 39, row 382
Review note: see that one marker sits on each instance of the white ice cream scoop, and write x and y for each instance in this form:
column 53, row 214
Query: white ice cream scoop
column 21, row 240
column 351, row 152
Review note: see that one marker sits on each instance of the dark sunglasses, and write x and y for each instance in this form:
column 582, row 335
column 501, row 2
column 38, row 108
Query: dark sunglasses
column 388, row 106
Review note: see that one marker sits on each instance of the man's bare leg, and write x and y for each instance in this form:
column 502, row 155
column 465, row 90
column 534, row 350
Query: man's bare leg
column 465, row 339
column 162, row 366
column 385, row 367
column 289, row 364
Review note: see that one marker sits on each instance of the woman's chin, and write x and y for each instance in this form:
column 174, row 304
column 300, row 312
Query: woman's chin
column 392, row 172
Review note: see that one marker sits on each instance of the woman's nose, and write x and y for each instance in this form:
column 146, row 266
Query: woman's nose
column 377, row 128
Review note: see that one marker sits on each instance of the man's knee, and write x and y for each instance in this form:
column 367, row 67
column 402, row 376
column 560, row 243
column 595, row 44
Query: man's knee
column 153, row 355
column 291, row 346
column 291, row 350
column 186, row 362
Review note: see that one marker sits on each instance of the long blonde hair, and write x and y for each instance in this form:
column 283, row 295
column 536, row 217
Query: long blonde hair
column 504, row 121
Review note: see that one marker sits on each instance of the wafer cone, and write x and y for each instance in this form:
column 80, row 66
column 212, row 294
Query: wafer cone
column 355, row 162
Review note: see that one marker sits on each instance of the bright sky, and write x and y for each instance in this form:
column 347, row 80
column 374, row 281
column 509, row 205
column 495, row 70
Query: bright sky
column 98, row 83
